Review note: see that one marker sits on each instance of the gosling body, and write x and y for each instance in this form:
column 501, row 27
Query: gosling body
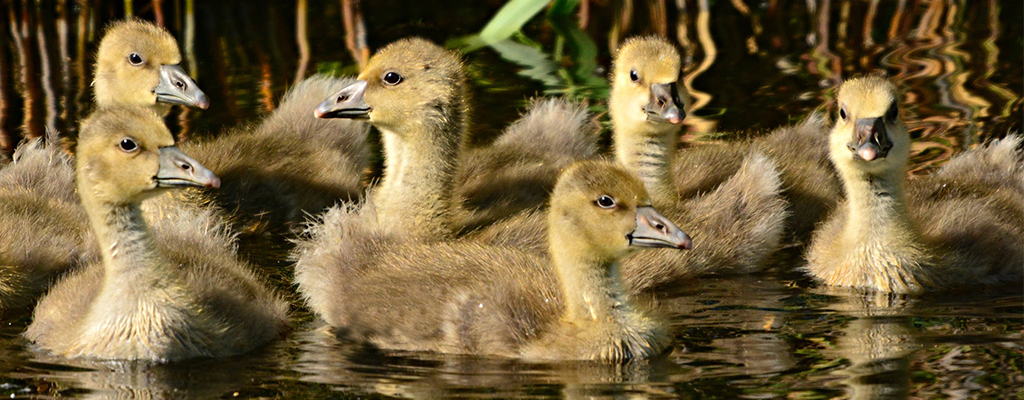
column 166, row 288
column 35, row 202
column 43, row 229
column 472, row 298
column 963, row 225
column 517, row 172
column 288, row 166
column 646, row 135
column 414, row 92
column 737, row 222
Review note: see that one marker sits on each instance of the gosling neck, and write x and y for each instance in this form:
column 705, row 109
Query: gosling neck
column 415, row 193
column 647, row 151
column 128, row 251
column 113, row 92
column 592, row 287
column 876, row 205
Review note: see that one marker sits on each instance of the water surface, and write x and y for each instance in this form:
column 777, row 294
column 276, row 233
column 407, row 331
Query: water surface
column 749, row 66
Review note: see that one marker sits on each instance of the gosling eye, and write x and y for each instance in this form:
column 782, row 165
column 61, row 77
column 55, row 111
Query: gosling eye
column 605, row 201
column 392, row 78
column 842, row 113
column 634, row 76
column 134, row 59
column 892, row 113
column 128, row 145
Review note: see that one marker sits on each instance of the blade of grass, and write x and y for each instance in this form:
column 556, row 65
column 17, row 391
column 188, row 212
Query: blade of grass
column 510, row 18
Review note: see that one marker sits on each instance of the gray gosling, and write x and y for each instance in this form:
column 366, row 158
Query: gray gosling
column 167, row 287
column 470, row 298
column 959, row 227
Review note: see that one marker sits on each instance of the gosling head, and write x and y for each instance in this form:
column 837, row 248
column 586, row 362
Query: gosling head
column 645, row 87
column 869, row 136
column 408, row 82
column 137, row 64
column 126, row 154
column 607, row 211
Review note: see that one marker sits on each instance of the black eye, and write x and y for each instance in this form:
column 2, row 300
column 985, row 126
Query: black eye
column 842, row 113
column 892, row 113
column 634, row 76
column 134, row 59
column 605, row 202
column 128, row 145
column 392, row 78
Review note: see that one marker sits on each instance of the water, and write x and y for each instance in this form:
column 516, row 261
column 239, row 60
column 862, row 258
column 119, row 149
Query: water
column 750, row 67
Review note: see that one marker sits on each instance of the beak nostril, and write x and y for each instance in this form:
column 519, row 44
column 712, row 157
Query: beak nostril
column 342, row 98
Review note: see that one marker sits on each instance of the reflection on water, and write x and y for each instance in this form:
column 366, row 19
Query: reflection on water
column 749, row 65
column 756, row 337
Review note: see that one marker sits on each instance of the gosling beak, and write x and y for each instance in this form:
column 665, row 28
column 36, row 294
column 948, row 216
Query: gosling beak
column 176, row 87
column 180, row 170
column 654, row 230
column 665, row 105
column 871, row 139
column 347, row 103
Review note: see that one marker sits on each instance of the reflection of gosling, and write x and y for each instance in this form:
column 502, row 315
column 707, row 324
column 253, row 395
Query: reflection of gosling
column 646, row 108
column 175, row 295
column 464, row 297
column 414, row 92
column 962, row 225
column 878, row 340
column 44, row 231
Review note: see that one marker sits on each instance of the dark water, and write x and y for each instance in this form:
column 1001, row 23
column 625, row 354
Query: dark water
column 750, row 66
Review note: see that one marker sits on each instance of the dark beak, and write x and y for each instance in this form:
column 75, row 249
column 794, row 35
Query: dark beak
column 347, row 103
column 654, row 230
column 179, row 170
column 176, row 87
column 665, row 105
column 871, row 139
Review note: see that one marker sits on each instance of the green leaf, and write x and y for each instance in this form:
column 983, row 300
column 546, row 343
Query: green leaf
column 509, row 19
column 562, row 8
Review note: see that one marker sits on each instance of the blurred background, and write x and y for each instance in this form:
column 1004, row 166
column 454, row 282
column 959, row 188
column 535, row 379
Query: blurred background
column 750, row 66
